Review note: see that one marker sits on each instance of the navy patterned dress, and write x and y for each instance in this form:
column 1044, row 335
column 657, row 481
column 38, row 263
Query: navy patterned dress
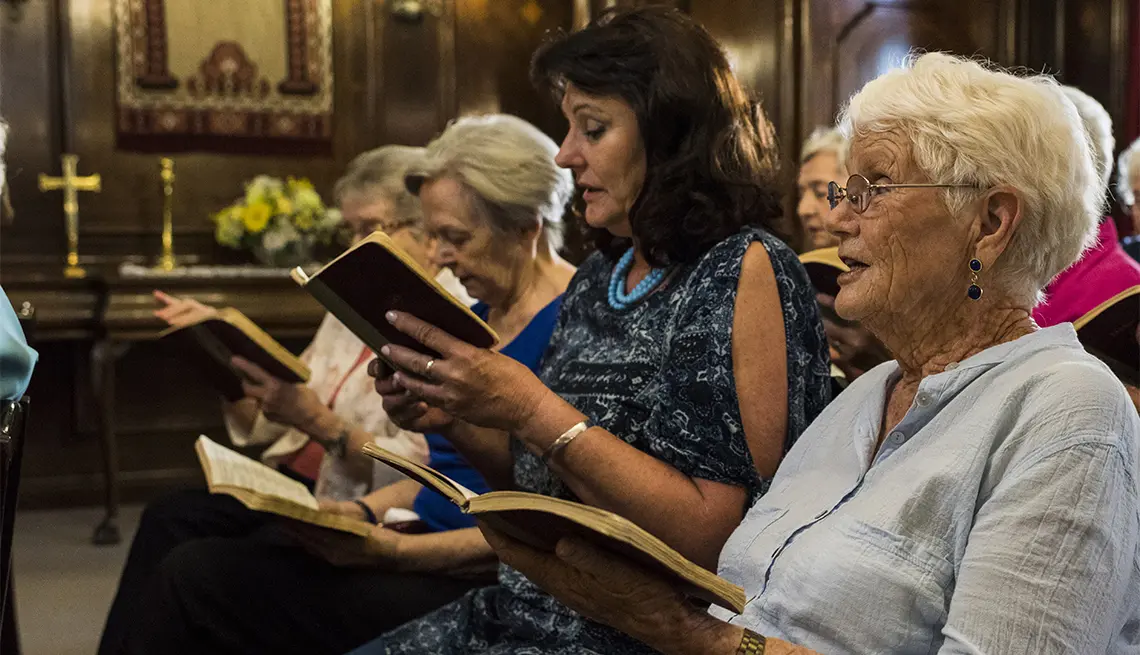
column 658, row 375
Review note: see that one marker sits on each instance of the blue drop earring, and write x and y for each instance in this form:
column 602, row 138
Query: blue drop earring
column 974, row 292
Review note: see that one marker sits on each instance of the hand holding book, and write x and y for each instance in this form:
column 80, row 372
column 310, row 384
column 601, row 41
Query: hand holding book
column 291, row 404
column 606, row 588
column 477, row 385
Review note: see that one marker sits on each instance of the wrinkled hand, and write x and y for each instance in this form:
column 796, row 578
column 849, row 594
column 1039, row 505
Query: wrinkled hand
column 854, row 350
column 476, row 385
column 178, row 312
column 282, row 402
column 381, row 549
column 600, row 586
column 404, row 409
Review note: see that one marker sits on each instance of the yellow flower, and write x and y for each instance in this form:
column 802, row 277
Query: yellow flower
column 296, row 185
column 304, row 221
column 256, row 217
column 284, row 205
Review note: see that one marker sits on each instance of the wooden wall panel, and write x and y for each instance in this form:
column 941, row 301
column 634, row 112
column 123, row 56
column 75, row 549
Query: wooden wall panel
column 29, row 102
column 846, row 43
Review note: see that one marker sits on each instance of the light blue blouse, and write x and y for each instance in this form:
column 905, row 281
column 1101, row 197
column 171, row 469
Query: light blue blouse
column 16, row 359
column 1000, row 516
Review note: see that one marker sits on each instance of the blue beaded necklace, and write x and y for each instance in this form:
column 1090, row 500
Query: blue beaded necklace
column 618, row 298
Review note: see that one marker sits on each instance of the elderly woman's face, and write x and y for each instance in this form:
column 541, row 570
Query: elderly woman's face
column 486, row 264
column 906, row 252
column 365, row 213
column 815, row 174
column 604, row 149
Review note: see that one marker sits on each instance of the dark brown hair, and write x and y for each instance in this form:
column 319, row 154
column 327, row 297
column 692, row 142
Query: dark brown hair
column 711, row 163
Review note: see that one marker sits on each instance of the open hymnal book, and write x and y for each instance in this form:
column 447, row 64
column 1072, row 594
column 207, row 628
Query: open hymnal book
column 1109, row 331
column 263, row 489
column 541, row 521
column 376, row 276
column 211, row 343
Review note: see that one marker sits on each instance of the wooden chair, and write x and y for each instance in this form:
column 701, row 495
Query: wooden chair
column 13, row 419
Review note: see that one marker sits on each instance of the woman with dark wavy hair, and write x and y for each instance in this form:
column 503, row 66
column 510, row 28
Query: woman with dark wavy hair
column 688, row 354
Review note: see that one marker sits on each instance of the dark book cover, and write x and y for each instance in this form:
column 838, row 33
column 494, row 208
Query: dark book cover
column 1111, row 332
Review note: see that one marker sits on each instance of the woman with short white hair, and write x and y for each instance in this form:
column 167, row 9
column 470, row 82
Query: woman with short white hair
column 976, row 495
column 821, row 161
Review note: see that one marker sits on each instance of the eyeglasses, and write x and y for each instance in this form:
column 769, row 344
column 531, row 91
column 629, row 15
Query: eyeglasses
column 859, row 191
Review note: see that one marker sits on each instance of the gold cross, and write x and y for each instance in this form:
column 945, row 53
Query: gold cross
column 71, row 184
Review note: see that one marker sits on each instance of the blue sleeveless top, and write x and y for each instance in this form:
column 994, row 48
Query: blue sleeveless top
column 527, row 348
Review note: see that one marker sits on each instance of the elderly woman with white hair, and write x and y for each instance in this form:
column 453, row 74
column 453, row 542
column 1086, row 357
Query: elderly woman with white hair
column 821, row 161
column 979, row 493
column 1128, row 192
column 207, row 575
column 1104, row 270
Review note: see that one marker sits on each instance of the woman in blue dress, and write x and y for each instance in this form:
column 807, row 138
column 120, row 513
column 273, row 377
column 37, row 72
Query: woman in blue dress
column 496, row 219
column 688, row 356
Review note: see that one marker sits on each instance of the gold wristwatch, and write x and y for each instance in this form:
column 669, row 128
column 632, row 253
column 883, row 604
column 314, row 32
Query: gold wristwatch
column 751, row 644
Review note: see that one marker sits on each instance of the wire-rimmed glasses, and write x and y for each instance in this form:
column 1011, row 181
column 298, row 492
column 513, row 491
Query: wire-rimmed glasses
column 859, row 191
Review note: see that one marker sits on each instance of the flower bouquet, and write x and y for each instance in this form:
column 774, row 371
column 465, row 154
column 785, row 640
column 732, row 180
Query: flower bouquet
column 281, row 223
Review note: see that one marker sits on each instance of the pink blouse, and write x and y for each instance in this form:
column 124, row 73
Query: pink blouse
column 1104, row 271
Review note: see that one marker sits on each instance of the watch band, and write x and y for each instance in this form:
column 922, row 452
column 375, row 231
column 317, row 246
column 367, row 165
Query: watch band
column 751, row 643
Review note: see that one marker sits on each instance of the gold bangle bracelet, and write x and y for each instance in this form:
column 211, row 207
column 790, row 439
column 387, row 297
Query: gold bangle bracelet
column 751, row 643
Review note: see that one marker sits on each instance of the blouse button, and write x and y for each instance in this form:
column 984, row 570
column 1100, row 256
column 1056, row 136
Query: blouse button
column 922, row 399
column 897, row 438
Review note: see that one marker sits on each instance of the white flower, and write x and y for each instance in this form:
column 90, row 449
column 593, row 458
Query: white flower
column 280, row 235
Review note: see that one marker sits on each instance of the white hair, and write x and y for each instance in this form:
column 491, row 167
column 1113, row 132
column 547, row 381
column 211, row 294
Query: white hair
column 380, row 172
column 507, row 166
column 1129, row 171
column 977, row 125
column 1098, row 128
column 825, row 140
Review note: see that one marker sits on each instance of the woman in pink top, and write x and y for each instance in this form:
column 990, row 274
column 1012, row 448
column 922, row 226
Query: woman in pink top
column 1103, row 272
column 1105, row 269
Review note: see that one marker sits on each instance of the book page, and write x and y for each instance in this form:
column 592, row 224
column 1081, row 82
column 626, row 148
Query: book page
column 226, row 468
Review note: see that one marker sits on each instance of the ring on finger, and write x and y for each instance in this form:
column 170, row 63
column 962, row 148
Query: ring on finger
column 427, row 369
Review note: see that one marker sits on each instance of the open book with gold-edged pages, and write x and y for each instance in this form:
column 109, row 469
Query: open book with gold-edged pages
column 263, row 489
column 1111, row 332
column 376, row 276
column 210, row 343
column 541, row 521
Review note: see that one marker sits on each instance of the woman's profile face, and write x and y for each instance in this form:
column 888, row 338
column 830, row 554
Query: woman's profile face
column 604, row 149
column 908, row 255
column 487, row 264
column 365, row 213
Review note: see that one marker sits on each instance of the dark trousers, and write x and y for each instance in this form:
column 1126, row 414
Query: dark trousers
column 258, row 592
column 264, row 594
column 167, row 523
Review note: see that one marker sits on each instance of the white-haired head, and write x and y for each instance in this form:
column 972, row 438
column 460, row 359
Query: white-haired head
column 825, row 140
column 977, row 125
column 507, row 167
column 1098, row 128
column 380, row 173
column 1128, row 174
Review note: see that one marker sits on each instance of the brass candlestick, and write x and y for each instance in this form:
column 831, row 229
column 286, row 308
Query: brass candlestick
column 166, row 261
column 71, row 184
